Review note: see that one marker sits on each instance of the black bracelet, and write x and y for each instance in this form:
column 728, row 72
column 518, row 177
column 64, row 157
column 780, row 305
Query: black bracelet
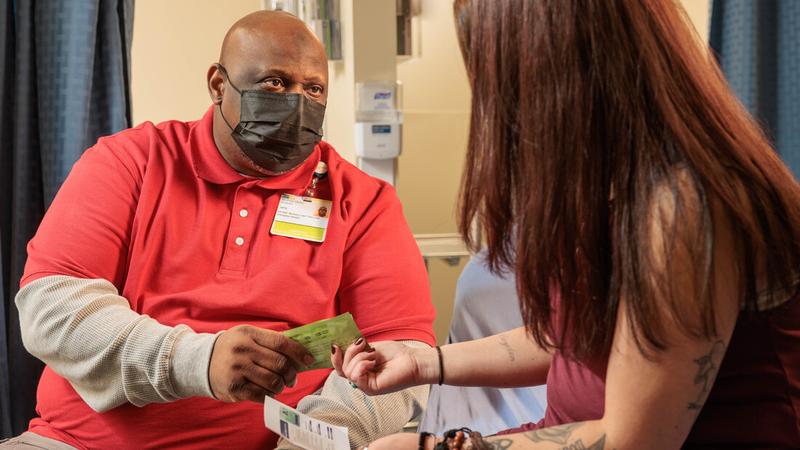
column 422, row 438
column 441, row 365
column 450, row 435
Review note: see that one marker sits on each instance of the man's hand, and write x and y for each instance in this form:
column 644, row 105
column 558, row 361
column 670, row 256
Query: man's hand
column 248, row 363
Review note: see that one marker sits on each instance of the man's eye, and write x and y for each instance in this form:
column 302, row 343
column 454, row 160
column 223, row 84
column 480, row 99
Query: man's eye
column 273, row 82
column 315, row 90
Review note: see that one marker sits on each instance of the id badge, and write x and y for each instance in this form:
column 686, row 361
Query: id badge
column 301, row 218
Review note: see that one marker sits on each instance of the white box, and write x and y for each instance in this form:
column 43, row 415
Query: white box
column 378, row 140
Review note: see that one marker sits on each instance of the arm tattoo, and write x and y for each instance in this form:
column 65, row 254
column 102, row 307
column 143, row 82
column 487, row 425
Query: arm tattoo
column 505, row 444
column 500, row 444
column 600, row 444
column 504, row 343
column 559, row 434
column 707, row 366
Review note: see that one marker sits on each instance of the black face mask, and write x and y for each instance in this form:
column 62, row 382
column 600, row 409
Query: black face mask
column 276, row 131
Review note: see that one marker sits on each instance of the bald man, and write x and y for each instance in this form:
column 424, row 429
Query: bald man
column 161, row 277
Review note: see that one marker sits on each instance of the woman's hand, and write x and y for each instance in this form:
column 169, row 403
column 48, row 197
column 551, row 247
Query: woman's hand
column 385, row 366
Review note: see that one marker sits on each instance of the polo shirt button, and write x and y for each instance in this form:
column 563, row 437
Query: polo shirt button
column 239, row 240
column 243, row 213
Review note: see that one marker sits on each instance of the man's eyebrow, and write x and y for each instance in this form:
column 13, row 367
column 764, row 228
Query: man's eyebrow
column 315, row 79
column 277, row 71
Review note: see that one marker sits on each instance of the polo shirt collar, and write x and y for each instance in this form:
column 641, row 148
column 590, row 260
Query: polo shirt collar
column 209, row 164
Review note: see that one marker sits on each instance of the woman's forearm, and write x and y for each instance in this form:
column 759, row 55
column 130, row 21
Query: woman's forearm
column 579, row 436
column 509, row 359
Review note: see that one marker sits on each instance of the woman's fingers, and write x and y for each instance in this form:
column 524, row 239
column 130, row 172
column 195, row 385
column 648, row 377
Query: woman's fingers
column 361, row 372
column 355, row 348
column 337, row 359
column 354, row 361
column 344, row 361
column 360, row 366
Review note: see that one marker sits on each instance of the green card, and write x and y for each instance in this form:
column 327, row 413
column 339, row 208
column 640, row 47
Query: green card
column 318, row 337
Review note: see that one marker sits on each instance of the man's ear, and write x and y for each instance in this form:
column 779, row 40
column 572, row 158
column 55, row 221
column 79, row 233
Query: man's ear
column 216, row 84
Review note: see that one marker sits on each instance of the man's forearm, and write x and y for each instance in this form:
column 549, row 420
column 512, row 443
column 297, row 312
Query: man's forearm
column 88, row 334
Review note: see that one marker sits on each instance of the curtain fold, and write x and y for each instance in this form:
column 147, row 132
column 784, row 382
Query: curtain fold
column 6, row 63
column 65, row 82
column 758, row 46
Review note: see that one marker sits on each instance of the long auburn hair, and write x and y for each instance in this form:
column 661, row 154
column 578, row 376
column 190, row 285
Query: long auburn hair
column 581, row 111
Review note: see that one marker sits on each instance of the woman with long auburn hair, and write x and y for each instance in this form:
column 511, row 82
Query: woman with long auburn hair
column 653, row 231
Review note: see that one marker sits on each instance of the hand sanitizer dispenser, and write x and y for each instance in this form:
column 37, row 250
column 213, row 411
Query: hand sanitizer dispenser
column 378, row 128
column 379, row 140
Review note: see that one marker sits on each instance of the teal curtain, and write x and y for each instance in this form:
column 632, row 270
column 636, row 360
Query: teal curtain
column 64, row 83
column 757, row 43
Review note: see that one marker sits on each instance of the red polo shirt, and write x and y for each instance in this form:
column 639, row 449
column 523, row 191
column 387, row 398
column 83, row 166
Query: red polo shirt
column 185, row 238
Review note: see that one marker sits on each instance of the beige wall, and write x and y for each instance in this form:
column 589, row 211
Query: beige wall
column 175, row 41
column 341, row 91
column 436, row 117
column 699, row 11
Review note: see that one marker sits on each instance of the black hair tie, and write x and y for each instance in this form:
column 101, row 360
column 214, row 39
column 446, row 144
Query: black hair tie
column 422, row 438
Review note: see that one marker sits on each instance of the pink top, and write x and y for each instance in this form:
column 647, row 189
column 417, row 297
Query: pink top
column 755, row 401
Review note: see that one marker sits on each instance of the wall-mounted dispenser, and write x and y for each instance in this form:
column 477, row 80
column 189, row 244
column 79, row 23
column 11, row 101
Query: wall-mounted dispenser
column 378, row 128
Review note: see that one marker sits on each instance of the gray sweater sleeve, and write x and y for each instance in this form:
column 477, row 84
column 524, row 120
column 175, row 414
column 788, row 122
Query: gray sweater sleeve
column 366, row 417
column 87, row 333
